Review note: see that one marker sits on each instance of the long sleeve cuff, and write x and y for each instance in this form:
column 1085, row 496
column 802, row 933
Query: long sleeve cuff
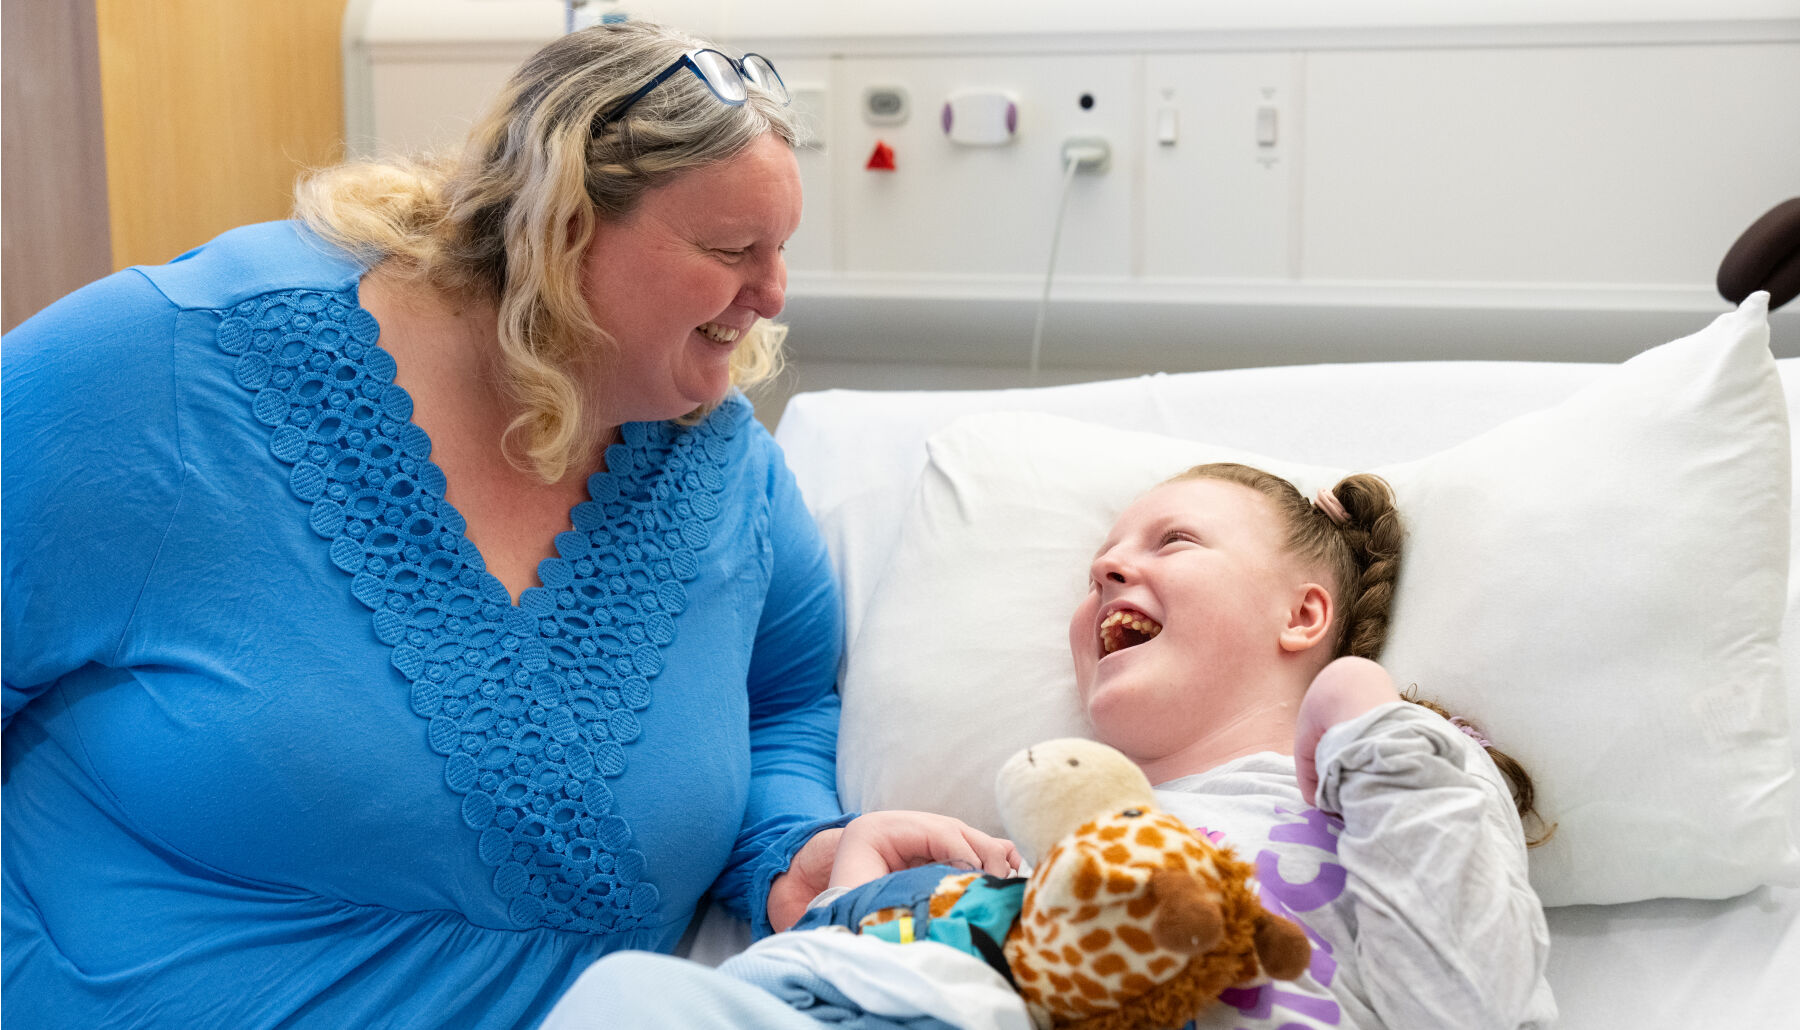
column 775, row 861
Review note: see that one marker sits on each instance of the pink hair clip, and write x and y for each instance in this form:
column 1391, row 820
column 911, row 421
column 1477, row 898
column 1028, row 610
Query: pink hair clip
column 1327, row 501
column 1467, row 727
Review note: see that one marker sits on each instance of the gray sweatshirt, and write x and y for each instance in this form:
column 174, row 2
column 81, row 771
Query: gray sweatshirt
column 1411, row 881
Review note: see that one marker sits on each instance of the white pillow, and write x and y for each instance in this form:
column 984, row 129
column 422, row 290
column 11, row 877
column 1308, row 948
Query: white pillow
column 1600, row 585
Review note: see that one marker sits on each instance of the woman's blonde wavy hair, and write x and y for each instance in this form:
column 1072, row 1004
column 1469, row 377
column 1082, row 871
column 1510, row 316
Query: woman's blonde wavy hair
column 510, row 217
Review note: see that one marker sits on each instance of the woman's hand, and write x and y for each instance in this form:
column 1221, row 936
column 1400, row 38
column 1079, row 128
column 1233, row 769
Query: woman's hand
column 1341, row 691
column 878, row 843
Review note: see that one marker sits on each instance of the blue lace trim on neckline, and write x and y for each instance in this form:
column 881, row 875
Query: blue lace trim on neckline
column 533, row 706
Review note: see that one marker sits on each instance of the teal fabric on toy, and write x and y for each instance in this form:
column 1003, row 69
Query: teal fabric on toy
column 976, row 924
column 990, row 906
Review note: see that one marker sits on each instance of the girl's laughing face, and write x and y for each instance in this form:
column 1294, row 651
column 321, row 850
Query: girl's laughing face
column 1187, row 599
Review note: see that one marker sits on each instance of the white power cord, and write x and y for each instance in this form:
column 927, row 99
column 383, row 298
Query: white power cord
column 1078, row 154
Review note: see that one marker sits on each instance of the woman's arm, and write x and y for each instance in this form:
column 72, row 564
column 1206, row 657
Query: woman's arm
column 794, row 841
column 793, row 708
column 91, row 467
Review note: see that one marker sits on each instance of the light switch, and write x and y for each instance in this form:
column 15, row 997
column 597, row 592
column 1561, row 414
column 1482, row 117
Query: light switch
column 1168, row 126
column 1267, row 131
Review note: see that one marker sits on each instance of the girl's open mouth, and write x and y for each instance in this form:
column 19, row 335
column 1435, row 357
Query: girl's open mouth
column 1126, row 628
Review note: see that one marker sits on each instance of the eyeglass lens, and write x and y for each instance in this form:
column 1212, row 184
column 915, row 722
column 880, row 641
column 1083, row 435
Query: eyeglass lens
column 759, row 71
column 721, row 76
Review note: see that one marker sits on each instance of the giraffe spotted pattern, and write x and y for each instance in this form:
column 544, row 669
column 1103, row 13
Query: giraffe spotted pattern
column 1086, row 951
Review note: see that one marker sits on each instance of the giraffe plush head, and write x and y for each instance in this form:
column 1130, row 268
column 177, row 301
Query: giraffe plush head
column 1130, row 919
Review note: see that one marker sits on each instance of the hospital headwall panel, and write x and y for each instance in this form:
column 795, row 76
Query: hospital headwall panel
column 1284, row 181
column 1562, row 165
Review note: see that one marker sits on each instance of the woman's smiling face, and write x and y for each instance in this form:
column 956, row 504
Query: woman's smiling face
column 1187, row 598
column 679, row 280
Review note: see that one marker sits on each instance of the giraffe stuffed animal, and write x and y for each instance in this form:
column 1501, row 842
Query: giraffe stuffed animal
column 1130, row 919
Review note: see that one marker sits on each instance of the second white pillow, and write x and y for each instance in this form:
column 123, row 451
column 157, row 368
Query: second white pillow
column 1599, row 584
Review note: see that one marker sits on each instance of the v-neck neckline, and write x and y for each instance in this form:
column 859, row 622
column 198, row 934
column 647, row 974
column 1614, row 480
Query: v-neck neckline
column 533, row 701
column 393, row 303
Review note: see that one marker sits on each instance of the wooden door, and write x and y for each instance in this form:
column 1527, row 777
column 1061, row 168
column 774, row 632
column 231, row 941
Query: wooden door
column 212, row 108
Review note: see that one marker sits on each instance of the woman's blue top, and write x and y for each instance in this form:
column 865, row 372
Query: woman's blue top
column 279, row 750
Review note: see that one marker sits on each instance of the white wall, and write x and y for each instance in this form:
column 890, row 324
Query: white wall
column 1528, row 179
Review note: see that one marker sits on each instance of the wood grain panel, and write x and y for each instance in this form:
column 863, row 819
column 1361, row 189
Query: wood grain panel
column 212, row 109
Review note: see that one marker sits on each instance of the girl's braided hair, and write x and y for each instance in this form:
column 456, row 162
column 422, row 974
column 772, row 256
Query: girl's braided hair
column 1361, row 557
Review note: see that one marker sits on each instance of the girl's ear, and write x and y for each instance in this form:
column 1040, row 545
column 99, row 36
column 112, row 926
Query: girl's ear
column 1309, row 620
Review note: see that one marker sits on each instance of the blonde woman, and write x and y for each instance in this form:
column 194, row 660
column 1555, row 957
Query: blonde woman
column 402, row 607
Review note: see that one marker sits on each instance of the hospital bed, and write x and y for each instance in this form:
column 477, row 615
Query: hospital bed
column 1345, row 234
column 889, row 474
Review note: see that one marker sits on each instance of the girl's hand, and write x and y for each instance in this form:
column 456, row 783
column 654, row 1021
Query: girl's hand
column 879, row 843
column 1341, row 691
column 886, row 842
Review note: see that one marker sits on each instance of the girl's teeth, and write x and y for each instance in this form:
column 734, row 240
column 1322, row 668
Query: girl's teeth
column 720, row 333
column 1124, row 629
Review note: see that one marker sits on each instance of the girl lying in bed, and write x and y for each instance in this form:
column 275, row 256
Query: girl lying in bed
column 1226, row 646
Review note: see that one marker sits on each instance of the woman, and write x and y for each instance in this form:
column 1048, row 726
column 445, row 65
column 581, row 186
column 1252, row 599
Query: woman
column 401, row 608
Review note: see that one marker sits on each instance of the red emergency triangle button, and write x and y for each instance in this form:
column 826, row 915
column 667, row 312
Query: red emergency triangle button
column 881, row 159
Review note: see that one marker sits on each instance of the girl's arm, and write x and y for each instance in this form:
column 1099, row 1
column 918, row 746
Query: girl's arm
column 1341, row 691
column 1448, row 929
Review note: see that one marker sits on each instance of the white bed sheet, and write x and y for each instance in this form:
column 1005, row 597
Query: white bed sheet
column 1665, row 963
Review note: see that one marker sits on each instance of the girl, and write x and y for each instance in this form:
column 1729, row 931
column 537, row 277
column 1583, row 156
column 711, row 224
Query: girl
column 1226, row 645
